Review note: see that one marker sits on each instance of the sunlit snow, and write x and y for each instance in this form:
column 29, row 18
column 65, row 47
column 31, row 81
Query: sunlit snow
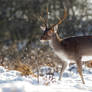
column 12, row 81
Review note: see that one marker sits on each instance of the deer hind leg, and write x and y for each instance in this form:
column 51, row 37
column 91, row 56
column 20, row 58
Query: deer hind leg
column 79, row 67
column 64, row 65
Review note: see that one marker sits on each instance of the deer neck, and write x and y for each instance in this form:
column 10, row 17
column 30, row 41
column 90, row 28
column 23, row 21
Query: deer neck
column 59, row 49
column 55, row 42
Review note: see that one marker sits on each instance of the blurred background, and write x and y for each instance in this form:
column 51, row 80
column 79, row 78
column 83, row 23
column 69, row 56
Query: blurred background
column 19, row 19
column 20, row 27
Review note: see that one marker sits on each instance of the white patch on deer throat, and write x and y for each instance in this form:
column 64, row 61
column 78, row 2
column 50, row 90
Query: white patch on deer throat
column 50, row 43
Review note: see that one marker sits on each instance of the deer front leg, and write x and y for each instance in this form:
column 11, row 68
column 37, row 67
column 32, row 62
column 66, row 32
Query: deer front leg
column 64, row 65
column 79, row 67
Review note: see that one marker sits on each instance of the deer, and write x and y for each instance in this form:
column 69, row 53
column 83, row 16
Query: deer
column 67, row 49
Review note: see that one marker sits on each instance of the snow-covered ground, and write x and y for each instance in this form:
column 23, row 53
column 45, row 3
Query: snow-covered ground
column 12, row 81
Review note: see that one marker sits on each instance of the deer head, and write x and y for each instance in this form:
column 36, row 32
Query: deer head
column 48, row 32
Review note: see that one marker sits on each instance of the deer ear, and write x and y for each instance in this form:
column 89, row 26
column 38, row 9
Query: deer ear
column 55, row 28
column 43, row 28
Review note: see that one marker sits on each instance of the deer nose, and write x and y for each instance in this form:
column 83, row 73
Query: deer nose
column 42, row 40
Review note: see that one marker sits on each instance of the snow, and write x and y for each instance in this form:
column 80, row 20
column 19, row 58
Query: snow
column 12, row 81
column 86, row 58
